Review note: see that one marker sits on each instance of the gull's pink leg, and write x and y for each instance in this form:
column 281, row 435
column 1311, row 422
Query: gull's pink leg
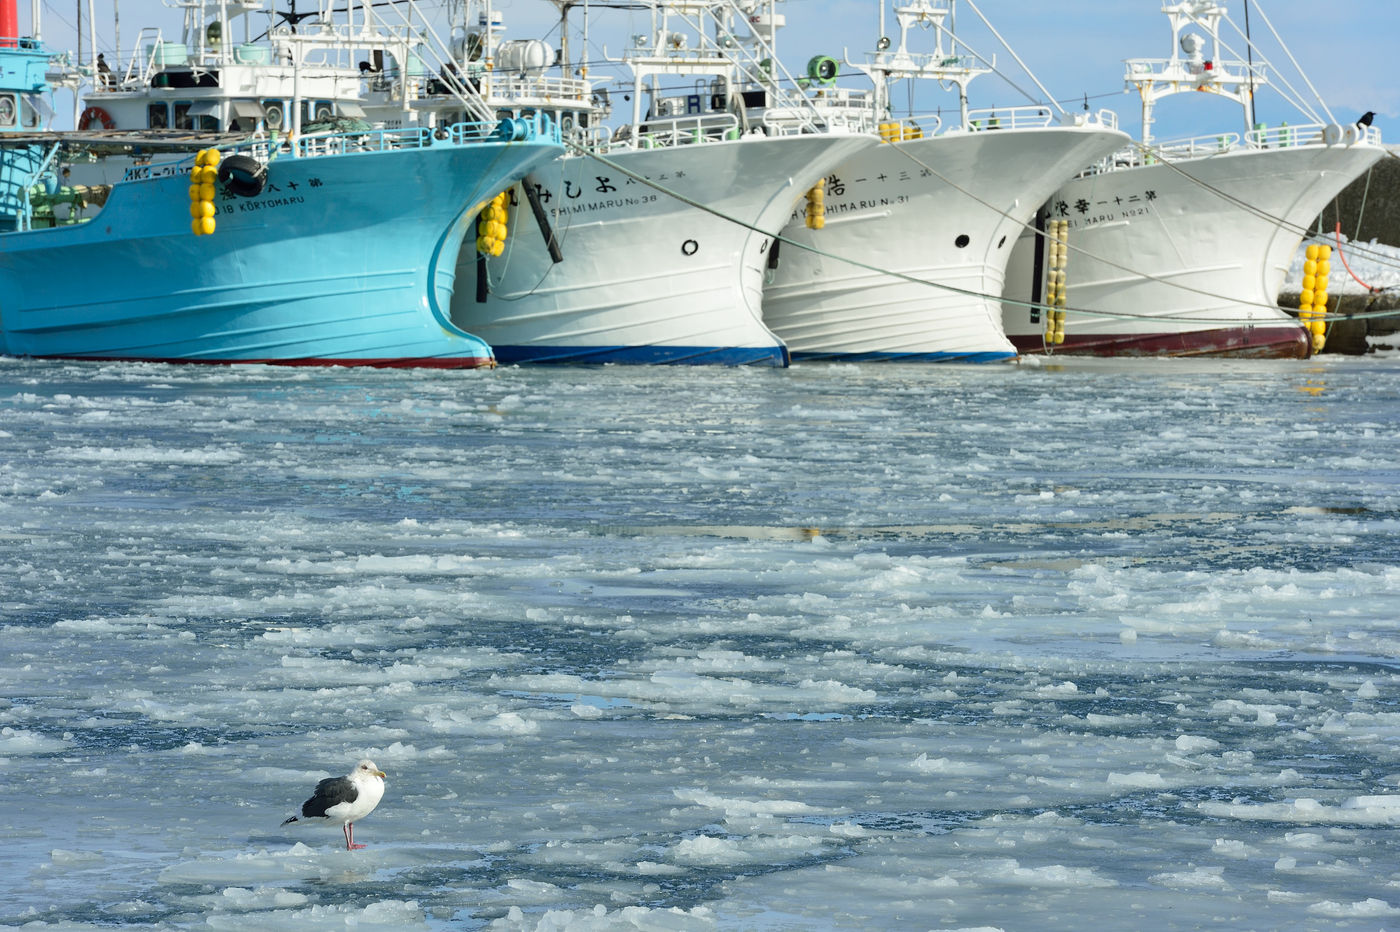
column 350, row 837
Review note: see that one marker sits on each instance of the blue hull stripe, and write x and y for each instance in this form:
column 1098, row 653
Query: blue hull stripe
column 645, row 355
column 986, row 356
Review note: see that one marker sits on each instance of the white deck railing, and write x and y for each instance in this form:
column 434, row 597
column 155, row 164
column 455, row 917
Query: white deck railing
column 678, row 131
column 1009, row 118
column 1282, row 136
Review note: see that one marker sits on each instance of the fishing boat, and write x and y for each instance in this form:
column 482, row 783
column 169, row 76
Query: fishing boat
column 904, row 256
column 1181, row 248
column 629, row 268
column 322, row 248
column 647, row 242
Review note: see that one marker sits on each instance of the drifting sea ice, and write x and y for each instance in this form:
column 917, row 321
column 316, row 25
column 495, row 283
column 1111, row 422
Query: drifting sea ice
column 832, row 647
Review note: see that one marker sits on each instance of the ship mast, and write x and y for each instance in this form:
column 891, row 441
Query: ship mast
column 1196, row 64
column 943, row 64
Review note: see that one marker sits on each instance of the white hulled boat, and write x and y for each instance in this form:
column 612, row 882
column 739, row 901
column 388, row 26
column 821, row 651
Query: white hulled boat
column 1181, row 248
column 642, row 274
column 929, row 217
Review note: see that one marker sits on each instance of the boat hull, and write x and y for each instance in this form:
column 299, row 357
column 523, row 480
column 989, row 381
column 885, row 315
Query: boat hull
column 647, row 277
column 1164, row 260
column 341, row 259
column 911, row 262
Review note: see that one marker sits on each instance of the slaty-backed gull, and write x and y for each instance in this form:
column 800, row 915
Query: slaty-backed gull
column 345, row 800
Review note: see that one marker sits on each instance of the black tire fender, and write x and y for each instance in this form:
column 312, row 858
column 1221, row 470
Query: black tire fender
column 243, row 175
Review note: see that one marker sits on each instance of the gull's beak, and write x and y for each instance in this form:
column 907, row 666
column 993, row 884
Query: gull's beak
column 380, row 774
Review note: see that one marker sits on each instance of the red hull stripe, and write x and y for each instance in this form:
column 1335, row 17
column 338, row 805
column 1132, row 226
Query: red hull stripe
column 1256, row 343
column 452, row 362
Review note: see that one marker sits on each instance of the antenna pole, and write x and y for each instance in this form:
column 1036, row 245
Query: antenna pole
column 1249, row 54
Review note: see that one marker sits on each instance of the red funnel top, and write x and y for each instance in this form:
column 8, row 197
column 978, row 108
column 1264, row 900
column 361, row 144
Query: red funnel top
column 9, row 24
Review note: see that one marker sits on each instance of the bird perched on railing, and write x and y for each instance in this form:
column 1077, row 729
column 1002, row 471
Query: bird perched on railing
column 344, row 800
column 1366, row 118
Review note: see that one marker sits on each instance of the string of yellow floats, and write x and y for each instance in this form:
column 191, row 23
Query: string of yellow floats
column 895, row 130
column 816, row 206
column 1312, row 301
column 491, row 226
column 203, row 176
column 1056, row 296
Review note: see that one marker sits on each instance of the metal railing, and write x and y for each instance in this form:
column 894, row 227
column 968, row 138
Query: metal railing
column 1009, row 118
column 24, row 211
column 527, row 88
column 1197, row 146
column 1184, row 69
column 1107, row 119
column 916, row 127
column 353, row 142
column 677, row 131
column 930, row 64
column 1312, row 134
column 1283, row 136
column 798, row 119
column 1263, row 137
column 843, row 108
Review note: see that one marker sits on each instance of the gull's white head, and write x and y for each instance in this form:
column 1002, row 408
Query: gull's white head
column 367, row 768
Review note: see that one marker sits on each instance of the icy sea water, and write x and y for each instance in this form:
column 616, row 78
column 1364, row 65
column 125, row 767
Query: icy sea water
column 1036, row 647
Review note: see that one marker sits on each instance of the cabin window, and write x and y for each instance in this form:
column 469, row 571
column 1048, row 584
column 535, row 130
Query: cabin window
column 8, row 109
column 202, row 116
column 246, row 115
column 158, row 116
column 182, row 116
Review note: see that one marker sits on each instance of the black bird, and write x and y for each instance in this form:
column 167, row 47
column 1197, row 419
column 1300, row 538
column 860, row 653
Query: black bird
column 1366, row 118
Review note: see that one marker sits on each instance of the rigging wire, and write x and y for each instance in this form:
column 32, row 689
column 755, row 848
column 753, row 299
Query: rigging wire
column 1087, row 312
column 1249, row 51
column 1084, row 252
column 1006, row 45
column 1293, row 96
column 1302, row 231
column 1296, row 66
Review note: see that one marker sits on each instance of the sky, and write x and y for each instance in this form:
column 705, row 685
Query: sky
column 1075, row 48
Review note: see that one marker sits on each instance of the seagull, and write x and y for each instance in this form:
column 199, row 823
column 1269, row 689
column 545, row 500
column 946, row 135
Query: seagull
column 345, row 800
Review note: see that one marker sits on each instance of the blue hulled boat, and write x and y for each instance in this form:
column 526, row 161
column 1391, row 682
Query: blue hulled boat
column 336, row 248
column 342, row 250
